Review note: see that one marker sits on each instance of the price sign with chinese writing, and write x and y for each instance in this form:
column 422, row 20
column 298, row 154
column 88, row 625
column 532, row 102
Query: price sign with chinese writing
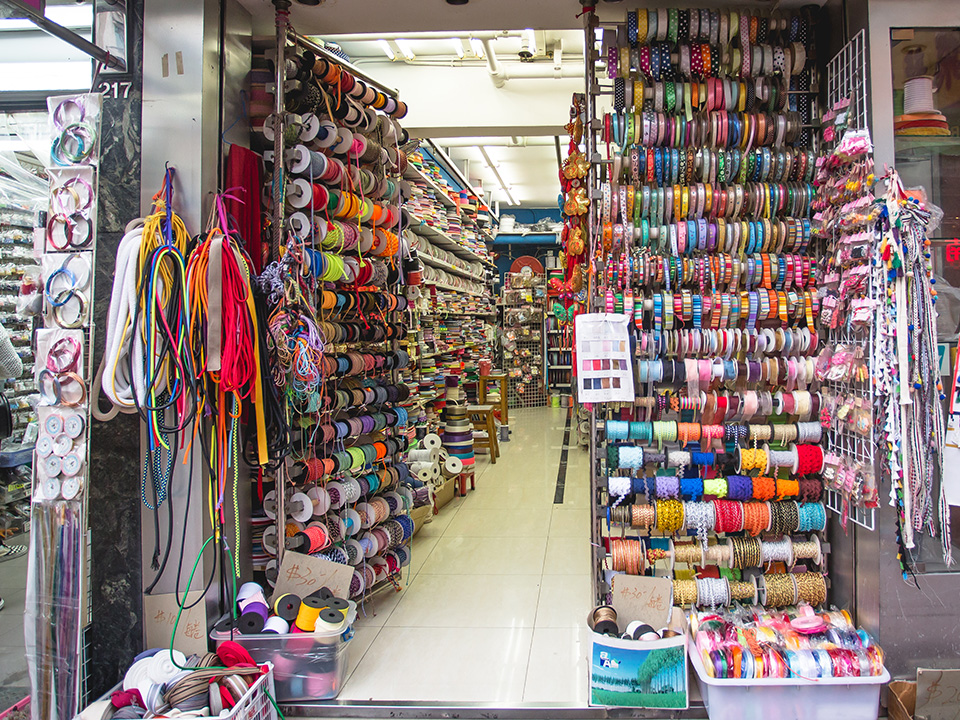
column 647, row 599
column 304, row 574
column 160, row 615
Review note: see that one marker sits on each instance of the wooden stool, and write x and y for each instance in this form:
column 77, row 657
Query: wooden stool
column 483, row 420
column 482, row 394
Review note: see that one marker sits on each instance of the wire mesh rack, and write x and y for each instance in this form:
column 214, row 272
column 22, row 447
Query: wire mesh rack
column 523, row 344
column 847, row 79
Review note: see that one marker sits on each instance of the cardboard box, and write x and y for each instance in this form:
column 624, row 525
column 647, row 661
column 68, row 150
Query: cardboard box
column 421, row 516
column 633, row 673
column 445, row 493
column 902, row 699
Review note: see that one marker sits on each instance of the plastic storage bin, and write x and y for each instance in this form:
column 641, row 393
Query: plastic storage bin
column 306, row 666
column 791, row 698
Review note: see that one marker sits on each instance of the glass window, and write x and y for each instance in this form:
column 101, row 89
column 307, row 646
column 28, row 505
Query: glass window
column 926, row 91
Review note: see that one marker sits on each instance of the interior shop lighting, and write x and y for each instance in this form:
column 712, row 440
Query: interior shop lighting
column 531, row 42
column 458, row 47
column 388, row 51
column 493, row 168
column 477, row 47
column 405, row 48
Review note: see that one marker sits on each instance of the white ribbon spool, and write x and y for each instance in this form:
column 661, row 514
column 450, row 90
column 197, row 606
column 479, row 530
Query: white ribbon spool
column 427, row 456
column 452, row 466
column 431, row 441
column 276, row 624
column 918, row 95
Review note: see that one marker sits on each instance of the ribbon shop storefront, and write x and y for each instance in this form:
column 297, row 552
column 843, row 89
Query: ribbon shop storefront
column 294, row 438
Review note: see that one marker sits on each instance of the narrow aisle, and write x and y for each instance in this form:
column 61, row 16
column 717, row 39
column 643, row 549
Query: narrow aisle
column 499, row 587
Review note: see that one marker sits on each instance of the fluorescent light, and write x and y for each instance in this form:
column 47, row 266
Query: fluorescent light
column 532, row 41
column 492, row 166
column 405, row 48
column 477, row 47
column 458, row 47
column 387, row 49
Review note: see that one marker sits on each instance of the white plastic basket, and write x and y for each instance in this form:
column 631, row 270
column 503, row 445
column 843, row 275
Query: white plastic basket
column 790, row 698
column 255, row 703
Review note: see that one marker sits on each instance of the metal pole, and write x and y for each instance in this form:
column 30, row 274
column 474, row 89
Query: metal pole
column 279, row 109
column 68, row 36
column 589, row 22
column 354, row 70
column 283, row 9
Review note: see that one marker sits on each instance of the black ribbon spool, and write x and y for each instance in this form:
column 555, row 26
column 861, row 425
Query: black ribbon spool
column 225, row 624
column 338, row 604
column 312, row 601
column 334, row 617
column 323, row 593
column 287, row 607
column 250, row 623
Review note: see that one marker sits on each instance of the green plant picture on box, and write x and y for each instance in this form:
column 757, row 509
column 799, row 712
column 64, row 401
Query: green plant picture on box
column 639, row 678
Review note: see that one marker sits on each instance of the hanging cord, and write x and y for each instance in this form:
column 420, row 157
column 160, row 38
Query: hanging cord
column 224, row 339
column 275, row 424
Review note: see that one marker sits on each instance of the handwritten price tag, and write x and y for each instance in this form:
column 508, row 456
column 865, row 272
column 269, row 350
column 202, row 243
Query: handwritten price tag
column 304, row 574
column 938, row 694
column 160, row 615
column 647, row 599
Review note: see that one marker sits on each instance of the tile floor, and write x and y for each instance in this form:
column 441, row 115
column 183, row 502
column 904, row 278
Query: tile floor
column 498, row 589
column 14, row 684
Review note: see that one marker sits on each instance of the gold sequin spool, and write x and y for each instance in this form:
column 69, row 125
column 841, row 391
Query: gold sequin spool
column 807, row 550
column 689, row 553
column 811, row 587
column 760, row 432
column 741, row 590
column 747, row 552
column 684, row 592
column 781, row 589
column 669, row 516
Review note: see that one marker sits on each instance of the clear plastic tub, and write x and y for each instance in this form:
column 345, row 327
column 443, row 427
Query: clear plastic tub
column 306, row 666
column 790, row 699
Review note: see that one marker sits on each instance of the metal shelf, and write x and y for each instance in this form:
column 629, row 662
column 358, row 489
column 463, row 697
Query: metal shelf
column 444, row 265
column 451, row 288
column 442, row 240
column 414, row 173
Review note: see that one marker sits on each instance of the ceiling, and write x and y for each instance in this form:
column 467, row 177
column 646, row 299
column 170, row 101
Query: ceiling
column 515, row 122
column 372, row 16
column 529, row 170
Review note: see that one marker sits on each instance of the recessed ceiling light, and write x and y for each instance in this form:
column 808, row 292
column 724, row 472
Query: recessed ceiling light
column 457, row 2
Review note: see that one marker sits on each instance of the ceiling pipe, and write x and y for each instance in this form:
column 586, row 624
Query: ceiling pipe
column 511, row 142
column 494, row 66
column 367, row 37
column 501, row 72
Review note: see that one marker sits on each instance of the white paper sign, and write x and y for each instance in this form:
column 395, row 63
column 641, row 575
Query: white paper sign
column 604, row 362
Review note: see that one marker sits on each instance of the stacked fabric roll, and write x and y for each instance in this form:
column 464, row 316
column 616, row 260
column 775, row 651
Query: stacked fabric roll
column 425, row 462
column 458, row 435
